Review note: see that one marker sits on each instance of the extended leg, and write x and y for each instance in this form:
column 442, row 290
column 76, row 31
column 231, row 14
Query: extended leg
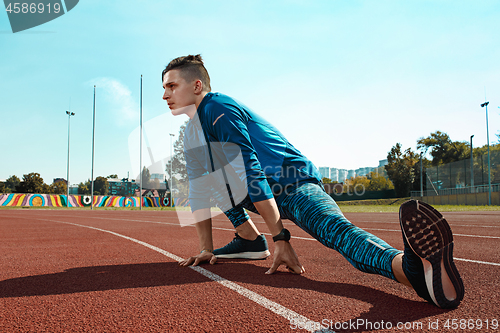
column 317, row 213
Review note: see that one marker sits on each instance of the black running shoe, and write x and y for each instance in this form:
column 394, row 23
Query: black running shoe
column 428, row 255
column 240, row 248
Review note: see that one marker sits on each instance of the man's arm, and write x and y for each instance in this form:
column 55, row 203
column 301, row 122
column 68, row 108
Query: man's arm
column 204, row 230
column 284, row 254
column 230, row 126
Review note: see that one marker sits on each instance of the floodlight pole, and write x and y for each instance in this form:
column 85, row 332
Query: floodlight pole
column 92, row 173
column 171, row 175
column 422, row 172
column 485, row 105
column 140, row 153
column 421, row 177
column 69, row 113
column 471, row 164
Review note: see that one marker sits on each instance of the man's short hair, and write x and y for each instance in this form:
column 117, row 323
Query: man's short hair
column 191, row 68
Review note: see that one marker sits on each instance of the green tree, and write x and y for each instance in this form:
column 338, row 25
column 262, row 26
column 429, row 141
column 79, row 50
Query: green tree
column 326, row 180
column 178, row 160
column 146, row 178
column 84, row 188
column 11, row 184
column 58, row 188
column 101, row 186
column 180, row 179
column 443, row 150
column 113, row 176
column 401, row 169
column 33, row 183
column 378, row 182
column 356, row 184
column 2, row 187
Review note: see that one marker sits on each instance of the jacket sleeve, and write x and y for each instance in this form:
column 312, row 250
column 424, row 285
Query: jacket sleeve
column 230, row 138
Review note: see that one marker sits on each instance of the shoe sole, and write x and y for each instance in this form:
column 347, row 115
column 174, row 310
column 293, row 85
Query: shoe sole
column 430, row 237
column 245, row 255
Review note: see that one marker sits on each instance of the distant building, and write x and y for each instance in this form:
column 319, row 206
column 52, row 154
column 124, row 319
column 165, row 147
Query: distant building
column 73, row 189
column 56, row 180
column 364, row 171
column 334, row 175
column 325, row 172
column 122, row 187
column 342, row 175
column 159, row 176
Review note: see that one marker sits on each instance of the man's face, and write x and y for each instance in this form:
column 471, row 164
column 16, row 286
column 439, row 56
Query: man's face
column 178, row 93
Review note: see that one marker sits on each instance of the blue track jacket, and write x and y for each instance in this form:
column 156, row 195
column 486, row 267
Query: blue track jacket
column 245, row 156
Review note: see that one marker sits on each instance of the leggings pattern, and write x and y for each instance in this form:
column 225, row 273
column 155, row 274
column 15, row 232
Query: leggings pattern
column 314, row 211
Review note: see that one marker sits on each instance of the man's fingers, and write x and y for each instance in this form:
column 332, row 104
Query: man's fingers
column 273, row 268
column 186, row 262
column 297, row 269
column 196, row 261
column 213, row 260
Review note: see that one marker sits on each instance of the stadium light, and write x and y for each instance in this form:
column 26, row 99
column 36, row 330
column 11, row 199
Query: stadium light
column 171, row 175
column 69, row 113
column 485, row 105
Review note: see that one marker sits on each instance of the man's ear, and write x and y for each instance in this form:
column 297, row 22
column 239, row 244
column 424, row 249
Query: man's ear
column 198, row 87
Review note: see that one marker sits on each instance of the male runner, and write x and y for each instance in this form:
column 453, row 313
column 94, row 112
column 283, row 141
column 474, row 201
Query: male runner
column 243, row 162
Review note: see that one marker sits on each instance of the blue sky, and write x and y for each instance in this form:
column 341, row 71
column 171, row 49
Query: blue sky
column 343, row 80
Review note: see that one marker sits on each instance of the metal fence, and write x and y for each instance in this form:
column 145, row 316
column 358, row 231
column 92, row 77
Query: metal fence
column 457, row 178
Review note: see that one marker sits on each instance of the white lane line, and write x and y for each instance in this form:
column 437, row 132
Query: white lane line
column 478, row 261
column 477, row 236
column 452, row 224
column 279, row 309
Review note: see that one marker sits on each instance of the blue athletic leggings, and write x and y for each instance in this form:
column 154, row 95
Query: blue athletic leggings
column 313, row 210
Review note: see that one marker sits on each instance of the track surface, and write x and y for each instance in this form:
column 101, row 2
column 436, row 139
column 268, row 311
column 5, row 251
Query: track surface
column 116, row 271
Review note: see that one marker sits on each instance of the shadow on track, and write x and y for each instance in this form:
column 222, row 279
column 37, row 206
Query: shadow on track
column 384, row 306
column 100, row 278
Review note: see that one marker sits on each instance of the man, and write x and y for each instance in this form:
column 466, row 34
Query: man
column 243, row 162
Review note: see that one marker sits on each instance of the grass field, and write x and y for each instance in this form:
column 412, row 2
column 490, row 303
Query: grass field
column 392, row 205
column 395, row 208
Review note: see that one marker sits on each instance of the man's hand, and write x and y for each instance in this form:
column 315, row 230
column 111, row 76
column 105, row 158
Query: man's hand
column 196, row 260
column 284, row 254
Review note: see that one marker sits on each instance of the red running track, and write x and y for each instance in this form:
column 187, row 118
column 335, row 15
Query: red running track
column 116, row 271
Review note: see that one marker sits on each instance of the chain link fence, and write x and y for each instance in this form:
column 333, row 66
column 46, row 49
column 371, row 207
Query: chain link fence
column 457, row 178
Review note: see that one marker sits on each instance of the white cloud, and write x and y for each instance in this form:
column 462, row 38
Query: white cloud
column 119, row 98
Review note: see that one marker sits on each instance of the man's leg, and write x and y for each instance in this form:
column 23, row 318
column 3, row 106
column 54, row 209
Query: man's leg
column 248, row 230
column 397, row 269
column 247, row 243
column 317, row 213
column 427, row 263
